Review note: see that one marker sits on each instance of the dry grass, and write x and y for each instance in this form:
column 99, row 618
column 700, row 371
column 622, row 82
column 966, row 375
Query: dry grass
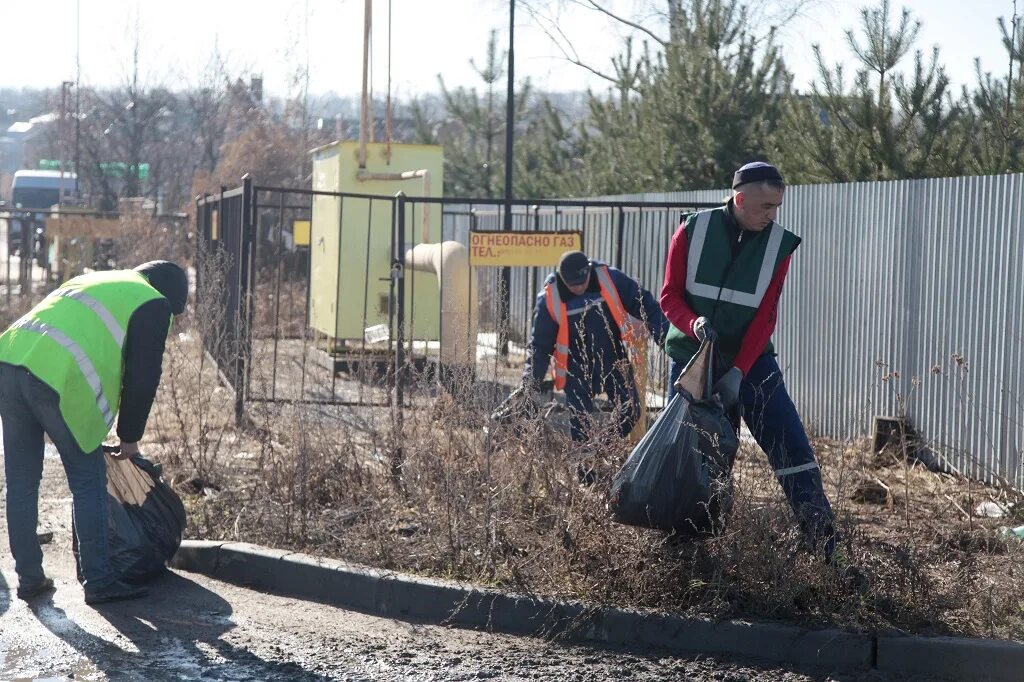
column 502, row 507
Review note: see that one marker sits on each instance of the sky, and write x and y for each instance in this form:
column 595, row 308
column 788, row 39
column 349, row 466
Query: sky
column 428, row 37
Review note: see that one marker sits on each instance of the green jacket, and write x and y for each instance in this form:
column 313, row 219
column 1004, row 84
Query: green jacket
column 73, row 341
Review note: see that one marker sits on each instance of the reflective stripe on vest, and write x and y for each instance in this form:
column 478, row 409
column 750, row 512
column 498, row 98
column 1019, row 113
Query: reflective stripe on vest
column 101, row 312
column 764, row 278
column 611, row 296
column 560, row 314
column 85, row 365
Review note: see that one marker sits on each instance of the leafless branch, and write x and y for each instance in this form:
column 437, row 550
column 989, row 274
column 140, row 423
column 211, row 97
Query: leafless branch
column 557, row 36
column 622, row 20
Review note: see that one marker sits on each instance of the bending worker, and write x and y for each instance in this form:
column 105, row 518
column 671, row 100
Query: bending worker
column 92, row 347
column 586, row 315
column 723, row 279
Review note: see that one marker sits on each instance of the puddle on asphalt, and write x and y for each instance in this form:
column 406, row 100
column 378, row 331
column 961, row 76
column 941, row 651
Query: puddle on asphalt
column 19, row 664
column 11, row 662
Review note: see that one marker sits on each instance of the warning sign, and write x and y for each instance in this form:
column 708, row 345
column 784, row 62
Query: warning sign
column 300, row 232
column 491, row 249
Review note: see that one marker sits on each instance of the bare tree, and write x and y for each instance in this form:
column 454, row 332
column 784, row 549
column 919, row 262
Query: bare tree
column 123, row 129
column 657, row 23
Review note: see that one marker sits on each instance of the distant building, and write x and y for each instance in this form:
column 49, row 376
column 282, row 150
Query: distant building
column 12, row 147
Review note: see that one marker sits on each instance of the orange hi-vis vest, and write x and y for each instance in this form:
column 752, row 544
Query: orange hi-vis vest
column 560, row 314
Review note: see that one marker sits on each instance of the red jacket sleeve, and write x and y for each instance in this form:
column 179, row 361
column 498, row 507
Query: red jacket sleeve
column 763, row 325
column 673, row 291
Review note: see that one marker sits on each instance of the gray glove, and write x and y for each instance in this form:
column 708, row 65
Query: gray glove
column 523, row 403
column 728, row 388
column 703, row 330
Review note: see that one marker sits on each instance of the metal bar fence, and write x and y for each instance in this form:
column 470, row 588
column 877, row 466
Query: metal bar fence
column 270, row 339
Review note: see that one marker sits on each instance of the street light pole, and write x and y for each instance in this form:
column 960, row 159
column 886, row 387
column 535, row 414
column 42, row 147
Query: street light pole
column 504, row 318
column 510, row 112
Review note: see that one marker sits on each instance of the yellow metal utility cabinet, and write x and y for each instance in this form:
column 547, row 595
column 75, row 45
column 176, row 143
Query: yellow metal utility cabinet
column 350, row 239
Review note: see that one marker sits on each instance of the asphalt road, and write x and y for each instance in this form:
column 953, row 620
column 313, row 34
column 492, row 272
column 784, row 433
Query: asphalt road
column 196, row 628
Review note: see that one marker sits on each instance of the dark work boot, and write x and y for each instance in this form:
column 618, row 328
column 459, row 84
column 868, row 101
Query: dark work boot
column 113, row 591
column 42, row 587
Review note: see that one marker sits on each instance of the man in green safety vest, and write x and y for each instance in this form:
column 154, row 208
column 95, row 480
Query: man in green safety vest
column 723, row 279
column 90, row 350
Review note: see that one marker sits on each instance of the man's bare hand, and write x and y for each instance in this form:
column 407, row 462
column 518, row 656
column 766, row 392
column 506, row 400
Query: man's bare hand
column 126, row 450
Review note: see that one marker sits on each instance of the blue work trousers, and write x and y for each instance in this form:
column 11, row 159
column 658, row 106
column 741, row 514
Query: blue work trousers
column 616, row 382
column 29, row 408
column 774, row 423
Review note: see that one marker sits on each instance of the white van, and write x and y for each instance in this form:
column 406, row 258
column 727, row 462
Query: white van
column 40, row 189
column 34, row 190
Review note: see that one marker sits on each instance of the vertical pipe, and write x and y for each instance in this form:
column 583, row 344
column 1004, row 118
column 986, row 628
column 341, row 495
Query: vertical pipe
column 364, row 116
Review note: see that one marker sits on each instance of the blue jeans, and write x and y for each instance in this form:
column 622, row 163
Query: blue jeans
column 29, row 408
column 773, row 421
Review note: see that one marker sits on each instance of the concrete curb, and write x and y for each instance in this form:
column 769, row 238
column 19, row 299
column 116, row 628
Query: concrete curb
column 958, row 658
column 400, row 595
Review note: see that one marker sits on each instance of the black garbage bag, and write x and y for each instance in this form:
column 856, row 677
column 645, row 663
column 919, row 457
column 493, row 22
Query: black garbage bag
column 145, row 517
column 678, row 478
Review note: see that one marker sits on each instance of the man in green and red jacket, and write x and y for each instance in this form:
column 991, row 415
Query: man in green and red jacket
column 723, row 279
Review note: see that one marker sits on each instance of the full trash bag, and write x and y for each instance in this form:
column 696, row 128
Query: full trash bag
column 678, row 478
column 145, row 518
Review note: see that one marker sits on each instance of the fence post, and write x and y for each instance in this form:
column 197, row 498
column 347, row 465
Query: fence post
column 250, row 298
column 241, row 320
column 200, row 239
column 398, row 296
column 504, row 310
column 619, row 230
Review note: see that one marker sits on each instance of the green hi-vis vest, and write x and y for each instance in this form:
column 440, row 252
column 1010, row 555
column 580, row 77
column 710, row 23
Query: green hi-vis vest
column 73, row 341
column 726, row 289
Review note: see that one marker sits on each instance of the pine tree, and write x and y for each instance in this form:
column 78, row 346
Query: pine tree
column 885, row 124
column 687, row 115
column 997, row 112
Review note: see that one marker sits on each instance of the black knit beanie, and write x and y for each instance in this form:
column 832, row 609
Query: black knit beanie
column 169, row 279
